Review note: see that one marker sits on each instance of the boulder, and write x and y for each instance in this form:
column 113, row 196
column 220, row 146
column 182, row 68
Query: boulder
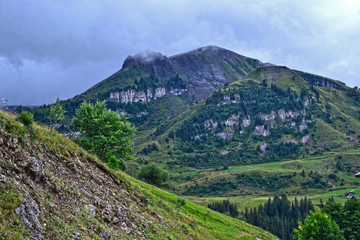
column 36, row 168
column 28, row 212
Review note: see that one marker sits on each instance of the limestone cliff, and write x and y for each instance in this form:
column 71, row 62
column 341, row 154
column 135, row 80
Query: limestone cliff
column 130, row 96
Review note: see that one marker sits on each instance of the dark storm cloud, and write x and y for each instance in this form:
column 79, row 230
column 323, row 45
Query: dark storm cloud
column 51, row 49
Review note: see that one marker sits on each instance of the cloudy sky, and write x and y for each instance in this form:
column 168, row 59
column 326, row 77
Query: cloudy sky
column 60, row 48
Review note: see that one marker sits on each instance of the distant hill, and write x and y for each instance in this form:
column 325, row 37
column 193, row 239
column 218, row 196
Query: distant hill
column 273, row 114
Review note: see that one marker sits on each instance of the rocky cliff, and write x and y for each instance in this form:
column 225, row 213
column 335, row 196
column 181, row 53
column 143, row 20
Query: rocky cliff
column 205, row 69
column 130, row 96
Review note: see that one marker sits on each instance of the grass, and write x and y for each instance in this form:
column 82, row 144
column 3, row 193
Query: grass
column 186, row 221
column 197, row 218
column 10, row 224
column 243, row 202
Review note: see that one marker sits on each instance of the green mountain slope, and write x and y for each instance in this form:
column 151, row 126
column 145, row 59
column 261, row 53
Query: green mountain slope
column 52, row 189
column 271, row 115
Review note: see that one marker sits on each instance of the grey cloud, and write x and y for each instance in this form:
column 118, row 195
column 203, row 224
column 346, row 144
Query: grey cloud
column 60, row 48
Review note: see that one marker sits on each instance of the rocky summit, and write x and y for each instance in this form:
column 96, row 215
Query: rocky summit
column 205, row 69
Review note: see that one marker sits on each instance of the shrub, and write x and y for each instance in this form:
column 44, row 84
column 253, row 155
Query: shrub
column 26, row 118
column 116, row 163
column 153, row 174
column 333, row 176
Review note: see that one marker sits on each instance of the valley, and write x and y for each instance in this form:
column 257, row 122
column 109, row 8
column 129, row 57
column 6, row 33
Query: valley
column 228, row 127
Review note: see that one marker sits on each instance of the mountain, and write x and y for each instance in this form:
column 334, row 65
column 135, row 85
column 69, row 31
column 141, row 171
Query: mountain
column 52, row 189
column 152, row 88
column 226, row 144
column 204, row 69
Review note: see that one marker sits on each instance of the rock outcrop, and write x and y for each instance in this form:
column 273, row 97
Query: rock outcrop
column 261, row 131
column 130, row 96
column 28, row 212
column 36, row 168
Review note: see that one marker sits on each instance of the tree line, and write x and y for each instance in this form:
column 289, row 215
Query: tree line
column 279, row 216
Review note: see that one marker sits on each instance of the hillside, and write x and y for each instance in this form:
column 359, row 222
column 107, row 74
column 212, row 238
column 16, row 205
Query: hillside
column 258, row 134
column 52, row 189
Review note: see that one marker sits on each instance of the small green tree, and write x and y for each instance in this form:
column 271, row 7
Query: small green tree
column 104, row 132
column 318, row 226
column 26, row 118
column 153, row 174
column 347, row 217
column 56, row 112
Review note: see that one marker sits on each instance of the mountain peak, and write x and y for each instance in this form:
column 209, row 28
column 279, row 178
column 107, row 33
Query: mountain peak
column 212, row 48
column 148, row 56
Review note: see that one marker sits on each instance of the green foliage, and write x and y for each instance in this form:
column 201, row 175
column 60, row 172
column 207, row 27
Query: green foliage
column 116, row 163
column 279, row 216
column 56, row 112
column 180, row 202
column 269, row 182
column 354, row 93
column 347, row 216
column 217, row 188
column 105, row 132
column 225, row 207
column 316, row 181
column 153, row 174
column 318, row 225
column 149, row 148
column 26, row 118
column 13, row 127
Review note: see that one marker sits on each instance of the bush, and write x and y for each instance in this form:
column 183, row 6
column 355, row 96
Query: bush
column 318, row 225
column 116, row 163
column 333, row 176
column 26, row 118
column 180, row 202
column 153, row 174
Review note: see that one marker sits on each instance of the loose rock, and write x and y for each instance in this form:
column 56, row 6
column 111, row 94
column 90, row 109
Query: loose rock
column 37, row 168
column 76, row 235
column 91, row 210
column 105, row 234
column 160, row 219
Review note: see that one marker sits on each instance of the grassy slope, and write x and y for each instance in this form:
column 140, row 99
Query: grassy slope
column 190, row 221
column 328, row 142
